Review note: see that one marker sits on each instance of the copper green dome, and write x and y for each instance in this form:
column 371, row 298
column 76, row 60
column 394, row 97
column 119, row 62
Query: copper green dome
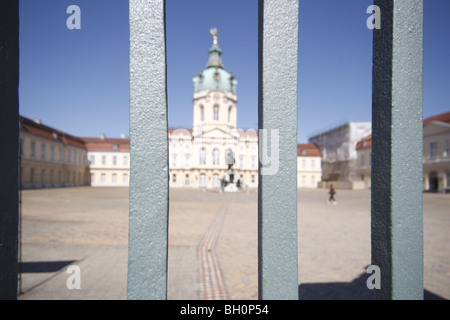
column 215, row 77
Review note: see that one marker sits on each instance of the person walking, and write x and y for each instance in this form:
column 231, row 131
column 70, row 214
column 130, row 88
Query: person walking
column 332, row 192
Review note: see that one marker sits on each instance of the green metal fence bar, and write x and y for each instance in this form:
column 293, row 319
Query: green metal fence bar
column 397, row 236
column 149, row 191
column 9, row 140
column 277, row 193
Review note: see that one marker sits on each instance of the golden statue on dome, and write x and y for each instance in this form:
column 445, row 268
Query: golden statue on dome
column 213, row 32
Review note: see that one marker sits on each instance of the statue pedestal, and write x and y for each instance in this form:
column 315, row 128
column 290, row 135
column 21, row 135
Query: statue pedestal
column 231, row 187
column 230, row 184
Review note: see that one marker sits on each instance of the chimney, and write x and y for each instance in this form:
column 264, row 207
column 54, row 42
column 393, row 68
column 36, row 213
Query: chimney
column 102, row 136
column 38, row 121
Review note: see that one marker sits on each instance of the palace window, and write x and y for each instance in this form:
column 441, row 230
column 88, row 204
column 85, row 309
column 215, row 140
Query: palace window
column 447, row 148
column 216, row 112
column 216, row 156
column 202, row 156
column 216, row 180
column 33, row 149
column 432, row 150
column 202, row 180
column 174, row 160
column 43, row 151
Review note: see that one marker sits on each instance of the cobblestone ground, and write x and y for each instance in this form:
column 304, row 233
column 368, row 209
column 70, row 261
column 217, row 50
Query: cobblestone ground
column 212, row 244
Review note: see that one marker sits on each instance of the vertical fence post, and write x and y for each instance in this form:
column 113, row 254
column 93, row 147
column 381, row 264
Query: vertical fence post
column 149, row 191
column 397, row 236
column 277, row 191
column 9, row 139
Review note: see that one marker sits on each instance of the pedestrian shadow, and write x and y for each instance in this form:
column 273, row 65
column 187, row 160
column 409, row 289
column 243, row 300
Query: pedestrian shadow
column 43, row 266
column 353, row 290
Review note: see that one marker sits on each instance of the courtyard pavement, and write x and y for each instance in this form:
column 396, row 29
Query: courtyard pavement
column 212, row 244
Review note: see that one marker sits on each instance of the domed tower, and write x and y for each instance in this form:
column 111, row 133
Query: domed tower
column 215, row 100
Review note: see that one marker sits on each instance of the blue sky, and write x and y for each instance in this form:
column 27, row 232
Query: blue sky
column 77, row 80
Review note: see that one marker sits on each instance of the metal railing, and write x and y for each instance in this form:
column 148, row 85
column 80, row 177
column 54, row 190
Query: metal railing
column 397, row 236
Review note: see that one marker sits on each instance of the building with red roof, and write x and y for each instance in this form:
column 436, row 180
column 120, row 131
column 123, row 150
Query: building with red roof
column 50, row 157
column 309, row 165
column 109, row 160
column 436, row 154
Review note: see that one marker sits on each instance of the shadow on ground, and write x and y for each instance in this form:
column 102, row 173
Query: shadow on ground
column 43, row 266
column 354, row 290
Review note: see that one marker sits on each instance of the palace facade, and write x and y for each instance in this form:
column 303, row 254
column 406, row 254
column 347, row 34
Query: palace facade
column 50, row 157
column 201, row 157
column 197, row 157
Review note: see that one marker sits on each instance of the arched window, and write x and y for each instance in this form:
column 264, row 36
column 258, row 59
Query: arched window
column 216, row 180
column 216, row 156
column 216, row 112
column 202, row 180
column 202, row 156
